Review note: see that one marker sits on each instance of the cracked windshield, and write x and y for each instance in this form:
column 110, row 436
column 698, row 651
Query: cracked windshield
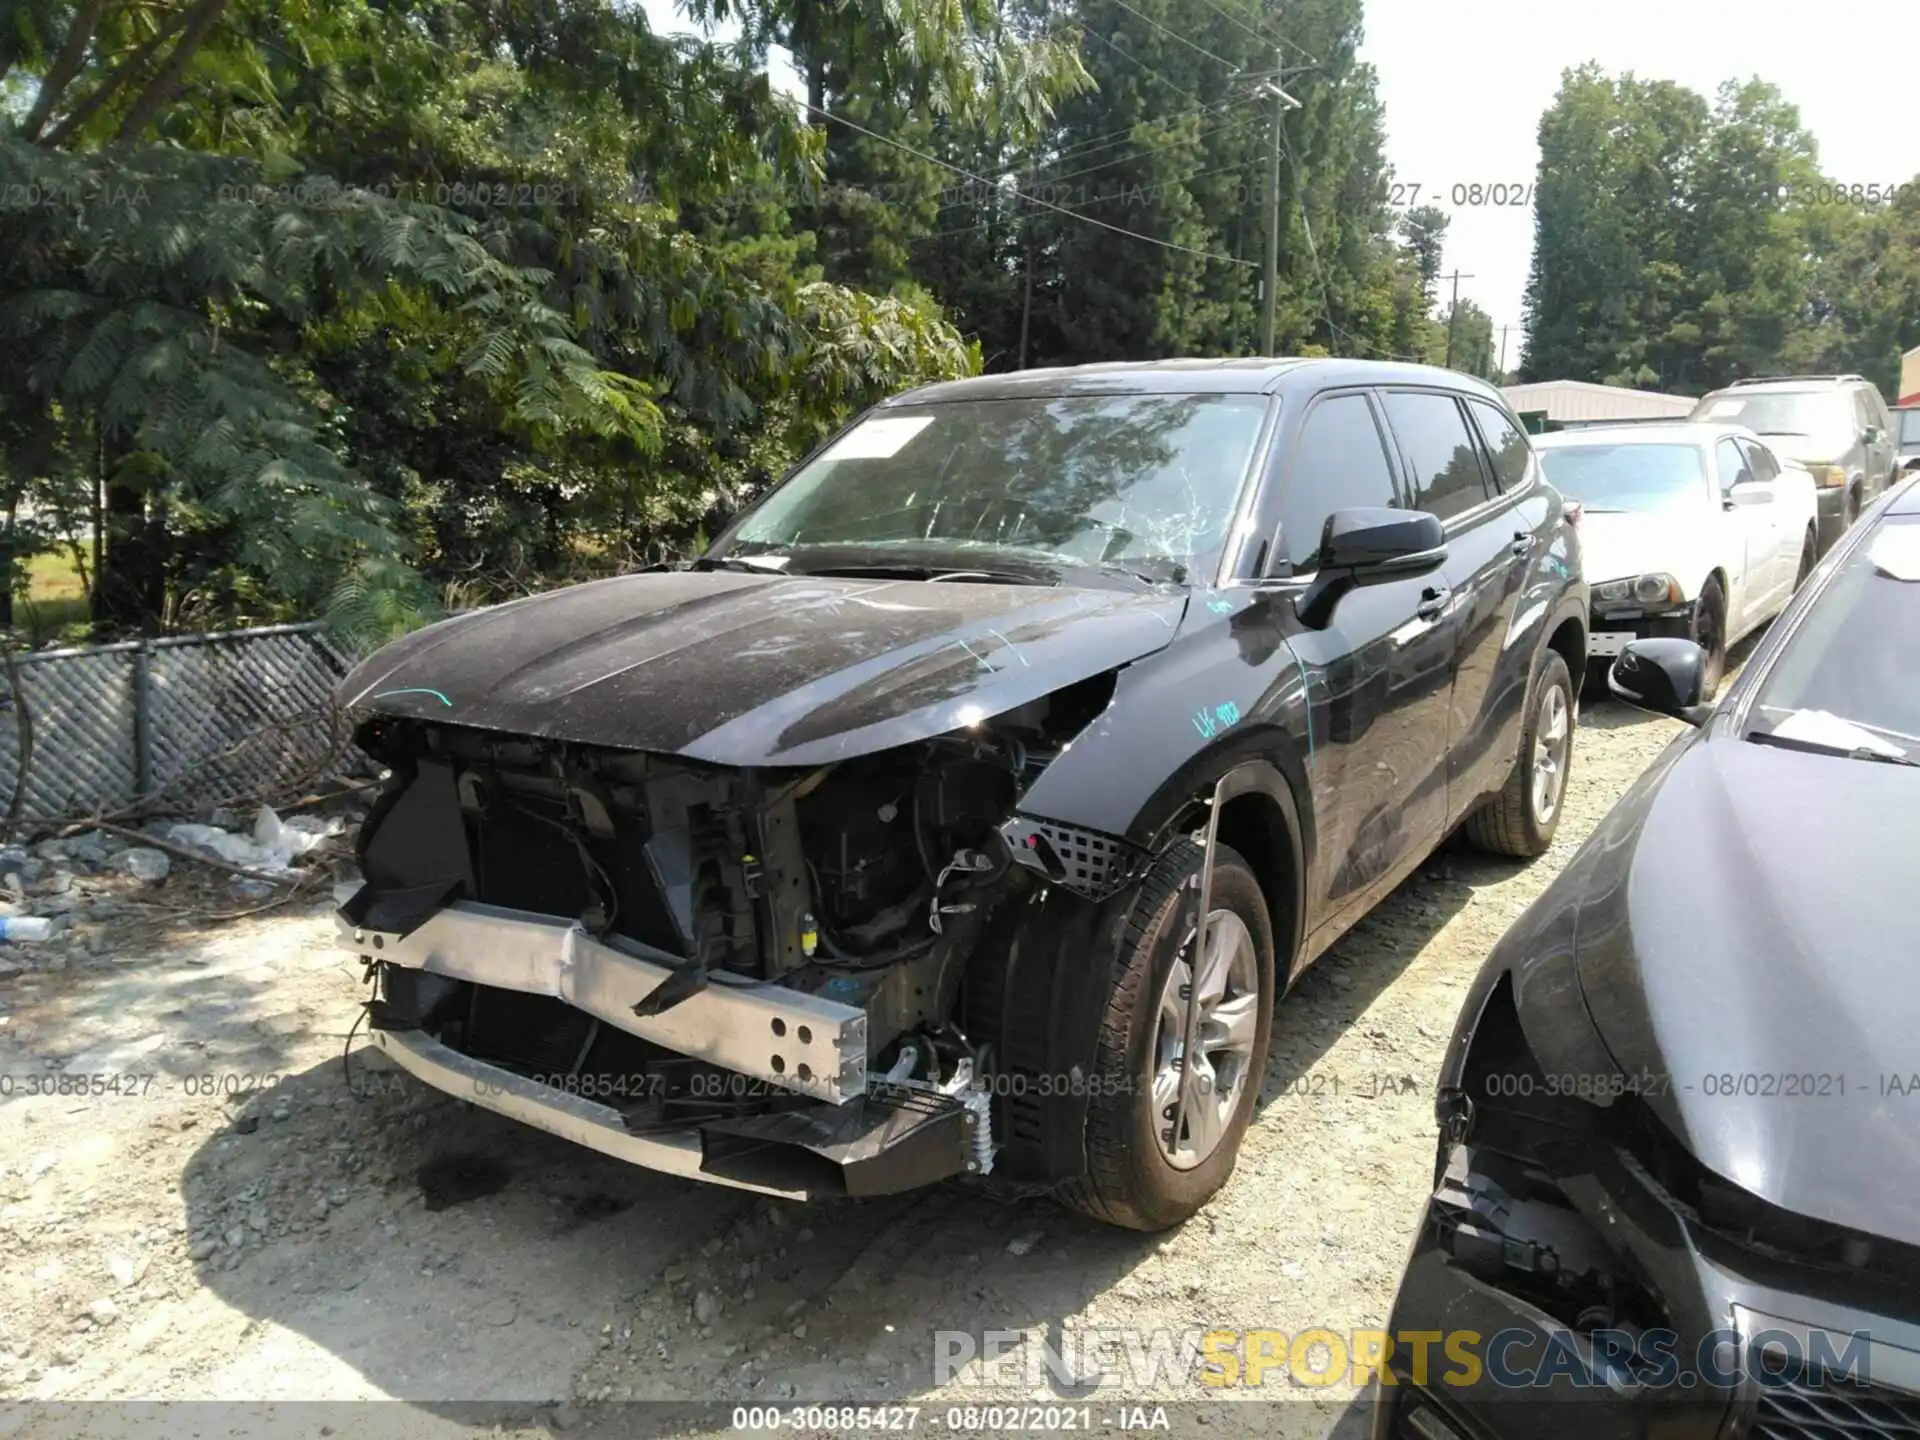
column 1125, row 481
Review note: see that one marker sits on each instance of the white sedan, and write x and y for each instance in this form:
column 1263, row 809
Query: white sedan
column 1694, row 530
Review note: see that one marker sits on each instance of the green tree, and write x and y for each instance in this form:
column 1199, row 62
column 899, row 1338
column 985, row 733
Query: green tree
column 336, row 288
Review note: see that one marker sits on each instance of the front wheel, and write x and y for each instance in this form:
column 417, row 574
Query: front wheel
column 1710, row 634
column 1809, row 557
column 1521, row 819
column 1154, row 1155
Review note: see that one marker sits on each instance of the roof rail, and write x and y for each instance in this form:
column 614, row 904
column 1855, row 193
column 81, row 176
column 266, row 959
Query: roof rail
column 1775, row 379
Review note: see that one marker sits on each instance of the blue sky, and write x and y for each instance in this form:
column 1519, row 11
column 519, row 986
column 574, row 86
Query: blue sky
column 1464, row 83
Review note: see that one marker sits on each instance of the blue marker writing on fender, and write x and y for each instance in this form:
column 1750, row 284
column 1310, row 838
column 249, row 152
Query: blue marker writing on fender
column 416, row 690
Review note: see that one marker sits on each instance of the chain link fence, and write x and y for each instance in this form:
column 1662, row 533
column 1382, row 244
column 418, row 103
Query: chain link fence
column 177, row 724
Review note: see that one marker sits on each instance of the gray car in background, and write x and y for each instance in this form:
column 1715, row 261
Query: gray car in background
column 1838, row 426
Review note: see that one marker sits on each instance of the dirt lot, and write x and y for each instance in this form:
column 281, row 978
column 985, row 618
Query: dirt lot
column 195, row 1238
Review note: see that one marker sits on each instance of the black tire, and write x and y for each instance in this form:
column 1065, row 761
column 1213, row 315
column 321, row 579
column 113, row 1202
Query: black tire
column 1510, row 822
column 1710, row 634
column 1853, row 507
column 1130, row 1181
column 1809, row 557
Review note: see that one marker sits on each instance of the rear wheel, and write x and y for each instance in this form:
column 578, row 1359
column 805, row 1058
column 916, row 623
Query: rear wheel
column 1710, row 634
column 1152, row 1162
column 1521, row 819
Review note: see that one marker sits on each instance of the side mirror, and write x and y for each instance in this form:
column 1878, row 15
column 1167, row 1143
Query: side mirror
column 1665, row 676
column 1750, row 492
column 1370, row 547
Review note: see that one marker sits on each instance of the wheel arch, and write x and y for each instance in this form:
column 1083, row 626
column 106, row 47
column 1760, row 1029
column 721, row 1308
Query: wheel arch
column 1569, row 640
column 1262, row 780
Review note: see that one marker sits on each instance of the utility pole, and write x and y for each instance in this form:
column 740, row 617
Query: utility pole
column 1503, row 350
column 1453, row 312
column 1282, row 102
column 1026, row 230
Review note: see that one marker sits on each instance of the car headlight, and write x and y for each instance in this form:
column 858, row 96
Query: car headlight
column 1827, row 476
column 1659, row 589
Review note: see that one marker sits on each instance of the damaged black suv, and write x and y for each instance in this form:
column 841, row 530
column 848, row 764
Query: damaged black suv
column 870, row 849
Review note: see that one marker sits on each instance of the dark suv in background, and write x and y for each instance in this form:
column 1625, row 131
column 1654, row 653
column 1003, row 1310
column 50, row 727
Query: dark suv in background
column 1838, row 426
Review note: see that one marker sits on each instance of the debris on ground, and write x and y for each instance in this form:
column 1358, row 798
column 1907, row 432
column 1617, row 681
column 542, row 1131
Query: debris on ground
column 260, row 1219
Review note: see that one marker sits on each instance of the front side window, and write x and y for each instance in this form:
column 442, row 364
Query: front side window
column 1850, row 679
column 1627, row 477
column 1443, row 464
column 1338, row 463
column 1141, row 481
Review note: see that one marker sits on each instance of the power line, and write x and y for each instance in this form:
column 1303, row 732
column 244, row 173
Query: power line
column 1159, row 186
column 1232, row 125
column 1313, row 251
column 1228, row 14
column 1151, row 150
column 1031, row 199
column 1175, row 34
column 1122, row 51
column 1093, row 144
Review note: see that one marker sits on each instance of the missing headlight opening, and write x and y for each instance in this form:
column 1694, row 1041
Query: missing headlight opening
column 778, row 978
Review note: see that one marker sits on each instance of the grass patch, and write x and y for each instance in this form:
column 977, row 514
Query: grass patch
column 54, row 604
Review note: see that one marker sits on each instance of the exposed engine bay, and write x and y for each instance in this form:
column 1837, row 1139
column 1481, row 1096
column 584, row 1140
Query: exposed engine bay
column 789, row 965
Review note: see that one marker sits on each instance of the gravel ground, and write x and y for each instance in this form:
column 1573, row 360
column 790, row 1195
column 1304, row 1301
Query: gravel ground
column 253, row 1224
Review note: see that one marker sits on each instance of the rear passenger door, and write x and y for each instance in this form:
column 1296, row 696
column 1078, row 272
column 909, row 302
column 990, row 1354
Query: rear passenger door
column 1488, row 545
column 1377, row 676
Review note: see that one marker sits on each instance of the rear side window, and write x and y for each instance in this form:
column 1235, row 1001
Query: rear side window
column 1505, row 443
column 1442, row 462
column 1339, row 463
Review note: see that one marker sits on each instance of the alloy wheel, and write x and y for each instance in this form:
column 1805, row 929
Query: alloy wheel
column 1552, row 738
column 1228, row 1024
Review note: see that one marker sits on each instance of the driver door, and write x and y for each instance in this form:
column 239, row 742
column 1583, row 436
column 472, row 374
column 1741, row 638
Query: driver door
column 1377, row 677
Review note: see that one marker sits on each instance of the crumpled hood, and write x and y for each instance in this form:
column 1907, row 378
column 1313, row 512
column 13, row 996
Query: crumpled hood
column 1768, row 927
column 756, row 670
column 1620, row 544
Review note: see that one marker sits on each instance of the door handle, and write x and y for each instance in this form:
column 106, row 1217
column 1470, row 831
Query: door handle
column 1522, row 544
column 1433, row 602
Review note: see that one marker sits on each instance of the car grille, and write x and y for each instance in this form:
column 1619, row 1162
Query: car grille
column 1806, row 1405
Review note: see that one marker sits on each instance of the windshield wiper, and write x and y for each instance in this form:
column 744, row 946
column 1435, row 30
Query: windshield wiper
column 1822, row 747
column 770, row 564
column 858, row 569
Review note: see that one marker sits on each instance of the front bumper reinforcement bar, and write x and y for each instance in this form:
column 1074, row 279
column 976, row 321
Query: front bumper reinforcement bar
column 789, row 1039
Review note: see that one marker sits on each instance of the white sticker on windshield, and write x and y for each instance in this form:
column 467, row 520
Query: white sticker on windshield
column 878, row 439
column 1895, row 551
column 1724, row 407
